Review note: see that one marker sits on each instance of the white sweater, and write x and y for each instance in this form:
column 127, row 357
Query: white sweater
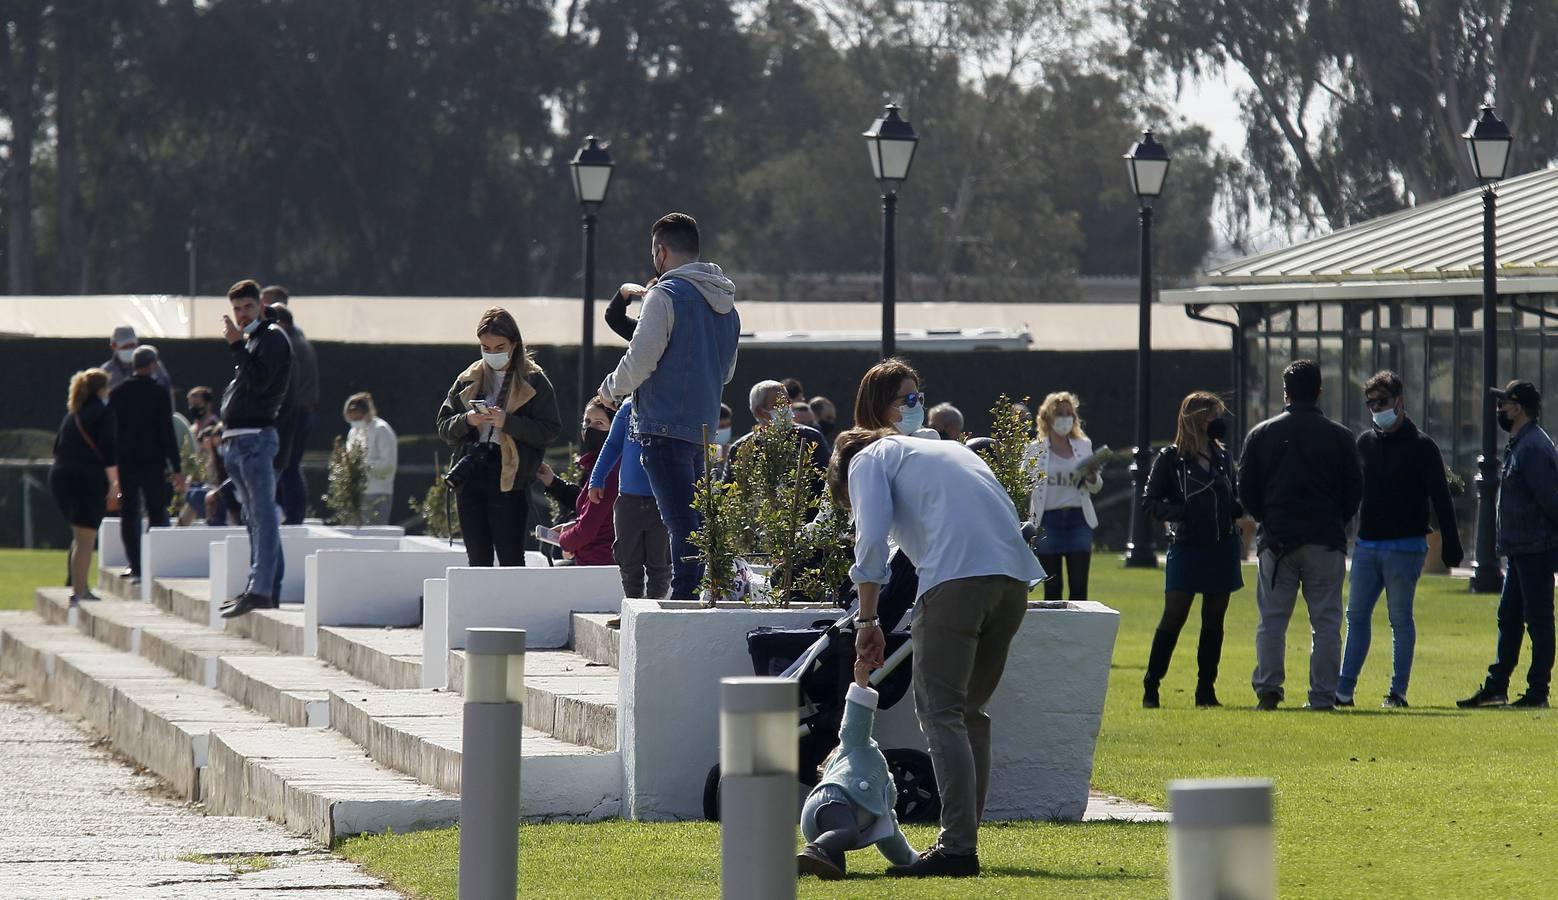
column 383, row 454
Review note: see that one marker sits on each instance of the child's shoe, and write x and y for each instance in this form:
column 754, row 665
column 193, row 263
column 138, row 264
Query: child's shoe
column 814, row 859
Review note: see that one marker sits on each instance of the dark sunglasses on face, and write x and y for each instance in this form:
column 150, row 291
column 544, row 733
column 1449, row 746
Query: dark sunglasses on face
column 1379, row 403
column 912, row 399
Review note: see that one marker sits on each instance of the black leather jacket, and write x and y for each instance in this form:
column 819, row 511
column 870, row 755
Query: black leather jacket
column 262, row 367
column 1197, row 505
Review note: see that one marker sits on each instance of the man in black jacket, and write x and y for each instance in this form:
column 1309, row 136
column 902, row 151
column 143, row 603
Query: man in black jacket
column 262, row 358
column 1403, row 474
column 148, row 451
column 1301, row 480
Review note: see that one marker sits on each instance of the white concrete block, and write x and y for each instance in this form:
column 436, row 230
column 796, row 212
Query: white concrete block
column 435, row 632
column 179, row 553
column 394, row 531
column 230, row 561
column 367, row 587
column 110, row 545
column 1045, row 714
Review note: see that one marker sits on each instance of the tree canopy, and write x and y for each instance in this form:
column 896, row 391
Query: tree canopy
column 416, row 147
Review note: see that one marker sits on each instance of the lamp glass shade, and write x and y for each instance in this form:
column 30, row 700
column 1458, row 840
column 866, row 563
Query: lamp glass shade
column 891, row 142
column 1148, row 164
column 592, row 167
column 1488, row 140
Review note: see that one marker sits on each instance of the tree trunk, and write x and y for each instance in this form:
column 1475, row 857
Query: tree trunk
column 19, row 58
column 71, row 252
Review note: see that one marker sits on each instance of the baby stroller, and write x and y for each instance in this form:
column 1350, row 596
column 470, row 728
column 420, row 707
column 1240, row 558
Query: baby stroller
column 822, row 659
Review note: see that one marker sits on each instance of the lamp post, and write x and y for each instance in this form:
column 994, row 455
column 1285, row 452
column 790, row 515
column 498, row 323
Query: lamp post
column 493, row 722
column 891, row 142
column 591, row 178
column 1148, row 164
column 759, row 758
column 1488, row 140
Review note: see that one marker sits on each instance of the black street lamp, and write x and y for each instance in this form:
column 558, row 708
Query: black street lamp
column 1488, row 140
column 591, row 178
column 1148, row 164
column 892, row 142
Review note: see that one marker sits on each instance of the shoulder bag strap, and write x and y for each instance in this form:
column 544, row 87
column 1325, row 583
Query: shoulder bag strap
column 87, row 437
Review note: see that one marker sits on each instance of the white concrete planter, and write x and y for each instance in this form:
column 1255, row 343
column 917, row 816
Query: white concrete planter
column 1045, row 714
column 380, row 588
column 540, row 600
column 229, row 563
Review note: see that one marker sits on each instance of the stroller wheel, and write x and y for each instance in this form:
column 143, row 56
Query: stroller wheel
column 711, row 795
column 918, row 799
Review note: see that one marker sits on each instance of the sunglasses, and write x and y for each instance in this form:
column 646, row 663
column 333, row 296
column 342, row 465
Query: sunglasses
column 1379, row 403
column 913, row 399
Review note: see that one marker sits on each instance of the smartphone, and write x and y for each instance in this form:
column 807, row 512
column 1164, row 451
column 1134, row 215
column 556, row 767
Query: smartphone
column 479, row 405
column 547, row 535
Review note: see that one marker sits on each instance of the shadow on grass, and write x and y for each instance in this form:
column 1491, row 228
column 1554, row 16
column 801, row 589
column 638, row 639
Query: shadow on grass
column 1016, row 872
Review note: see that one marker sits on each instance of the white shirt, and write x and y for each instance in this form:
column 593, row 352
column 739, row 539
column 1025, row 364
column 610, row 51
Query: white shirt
column 381, row 453
column 941, row 504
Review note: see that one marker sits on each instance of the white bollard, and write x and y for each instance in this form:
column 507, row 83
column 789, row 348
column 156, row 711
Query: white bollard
column 759, row 803
column 1221, row 842
column 494, row 719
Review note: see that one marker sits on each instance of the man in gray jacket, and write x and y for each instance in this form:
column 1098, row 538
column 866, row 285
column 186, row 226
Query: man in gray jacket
column 1528, row 539
column 682, row 354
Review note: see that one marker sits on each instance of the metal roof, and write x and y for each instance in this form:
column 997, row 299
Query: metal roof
column 1433, row 250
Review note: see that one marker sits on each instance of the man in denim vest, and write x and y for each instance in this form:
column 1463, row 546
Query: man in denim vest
column 682, row 354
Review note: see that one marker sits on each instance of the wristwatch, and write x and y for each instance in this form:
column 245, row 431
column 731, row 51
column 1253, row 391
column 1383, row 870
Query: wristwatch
column 874, row 622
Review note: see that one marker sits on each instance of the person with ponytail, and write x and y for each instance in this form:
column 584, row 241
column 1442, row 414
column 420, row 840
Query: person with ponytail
column 500, row 416
column 1191, row 490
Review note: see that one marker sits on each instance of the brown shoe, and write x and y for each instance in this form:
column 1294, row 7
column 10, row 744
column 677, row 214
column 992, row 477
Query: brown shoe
column 938, row 863
column 816, row 860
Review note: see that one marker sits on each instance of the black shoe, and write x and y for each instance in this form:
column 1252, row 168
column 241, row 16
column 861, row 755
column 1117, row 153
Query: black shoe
column 244, row 604
column 1206, row 697
column 1267, row 701
column 1530, row 700
column 938, row 863
column 1313, row 708
column 817, row 860
column 1149, row 696
column 1394, row 701
column 1485, row 696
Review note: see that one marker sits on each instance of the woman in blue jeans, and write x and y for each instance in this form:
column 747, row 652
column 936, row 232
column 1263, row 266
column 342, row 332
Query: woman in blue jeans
column 1062, row 502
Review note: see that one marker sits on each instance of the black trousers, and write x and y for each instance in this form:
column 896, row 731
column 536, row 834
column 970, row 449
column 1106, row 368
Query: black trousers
column 139, row 482
column 492, row 521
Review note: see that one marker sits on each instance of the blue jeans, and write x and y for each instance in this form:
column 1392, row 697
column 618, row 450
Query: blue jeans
column 250, row 460
column 674, row 468
column 1395, row 572
column 1526, row 606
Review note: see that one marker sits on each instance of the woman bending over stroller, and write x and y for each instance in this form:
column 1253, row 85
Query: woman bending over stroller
column 851, row 807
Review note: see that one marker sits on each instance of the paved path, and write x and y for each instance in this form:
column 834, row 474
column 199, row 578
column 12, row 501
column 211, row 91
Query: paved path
column 77, row 822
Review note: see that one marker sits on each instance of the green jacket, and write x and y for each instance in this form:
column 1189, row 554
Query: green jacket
column 860, row 770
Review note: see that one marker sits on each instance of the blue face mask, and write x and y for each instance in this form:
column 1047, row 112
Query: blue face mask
column 1385, row 418
column 722, row 436
column 913, row 418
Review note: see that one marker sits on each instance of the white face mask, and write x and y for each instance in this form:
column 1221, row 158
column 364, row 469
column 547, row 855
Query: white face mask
column 1385, row 418
column 497, row 362
column 360, row 423
column 784, row 416
column 249, row 328
column 1063, row 424
column 125, row 356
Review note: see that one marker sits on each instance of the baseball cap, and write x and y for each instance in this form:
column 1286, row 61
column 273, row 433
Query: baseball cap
column 124, row 334
column 1521, row 392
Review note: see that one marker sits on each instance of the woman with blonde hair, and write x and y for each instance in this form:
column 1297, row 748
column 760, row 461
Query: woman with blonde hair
column 85, row 471
column 500, row 416
column 1062, row 501
column 1191, row 490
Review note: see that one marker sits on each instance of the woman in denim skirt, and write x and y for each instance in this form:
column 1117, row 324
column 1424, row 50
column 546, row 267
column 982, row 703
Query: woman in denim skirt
column 1062, row 501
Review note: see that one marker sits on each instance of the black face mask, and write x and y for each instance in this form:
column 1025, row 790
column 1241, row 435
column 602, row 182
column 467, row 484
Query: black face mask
column 826, row 428
column 1217, row 429
column 198, row 412
column 593, row 439
column 1504, row 421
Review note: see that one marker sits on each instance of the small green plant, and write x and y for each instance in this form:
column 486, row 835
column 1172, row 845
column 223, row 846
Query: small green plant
column 1008, row 457
column 434, row 507
column 193, row 465
column 1455, row 481
column 720, row 503
column 348, row 480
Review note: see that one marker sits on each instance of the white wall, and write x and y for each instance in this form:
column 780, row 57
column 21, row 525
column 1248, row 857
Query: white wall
column 1045, row 714
column 230, row 562
column 367, row 587
column 176, row 552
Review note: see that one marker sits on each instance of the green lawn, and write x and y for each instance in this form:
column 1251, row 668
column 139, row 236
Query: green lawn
column 22, row 572
column 1431, row 801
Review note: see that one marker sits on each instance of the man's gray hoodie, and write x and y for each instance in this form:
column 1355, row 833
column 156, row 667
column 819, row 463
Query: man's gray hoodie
column 656, row 323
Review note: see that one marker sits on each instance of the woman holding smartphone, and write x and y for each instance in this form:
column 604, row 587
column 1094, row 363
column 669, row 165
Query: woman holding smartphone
column 500, row 416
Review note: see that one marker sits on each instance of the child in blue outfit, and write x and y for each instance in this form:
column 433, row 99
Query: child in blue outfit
column 851, row 807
